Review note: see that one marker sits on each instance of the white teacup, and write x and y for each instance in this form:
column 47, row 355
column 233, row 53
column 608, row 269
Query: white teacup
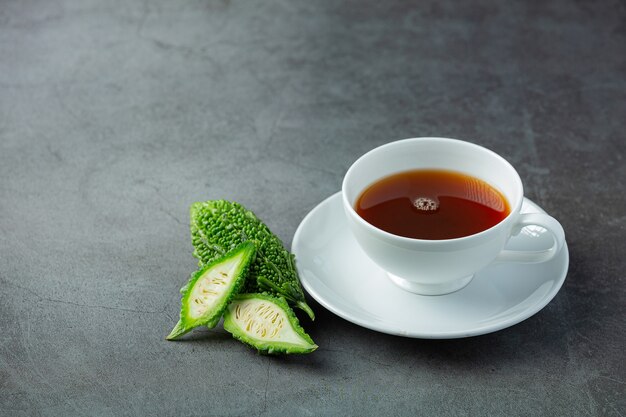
column 435, row 267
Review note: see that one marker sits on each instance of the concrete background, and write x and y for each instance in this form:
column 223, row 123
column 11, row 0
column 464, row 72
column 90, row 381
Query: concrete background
column 115, row 116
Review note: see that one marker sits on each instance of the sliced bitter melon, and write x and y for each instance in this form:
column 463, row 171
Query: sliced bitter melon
column 209, row 290
column 267, row 324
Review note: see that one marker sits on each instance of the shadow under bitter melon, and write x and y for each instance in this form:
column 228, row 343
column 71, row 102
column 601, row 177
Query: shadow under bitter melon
column 208, row 292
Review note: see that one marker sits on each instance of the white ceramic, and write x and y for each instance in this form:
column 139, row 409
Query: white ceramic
column 435, row 267
column 337, row 273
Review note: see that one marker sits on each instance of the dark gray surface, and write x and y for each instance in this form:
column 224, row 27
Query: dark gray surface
column 115, row 116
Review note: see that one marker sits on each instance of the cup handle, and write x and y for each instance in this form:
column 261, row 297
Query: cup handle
column 537, row 219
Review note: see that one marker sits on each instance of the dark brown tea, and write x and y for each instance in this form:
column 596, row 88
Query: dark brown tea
column 432, row 204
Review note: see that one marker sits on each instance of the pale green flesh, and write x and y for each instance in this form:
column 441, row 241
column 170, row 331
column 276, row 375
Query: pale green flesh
column 212, row 286
column 264, row 321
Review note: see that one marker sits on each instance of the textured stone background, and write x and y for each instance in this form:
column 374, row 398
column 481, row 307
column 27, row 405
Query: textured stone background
column 115, row 116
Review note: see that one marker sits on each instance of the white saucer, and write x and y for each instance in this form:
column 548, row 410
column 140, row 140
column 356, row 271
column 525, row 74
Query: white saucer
column 337, row 273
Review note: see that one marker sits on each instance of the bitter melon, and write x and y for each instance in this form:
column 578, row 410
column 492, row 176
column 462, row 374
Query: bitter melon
column 218, row 225
column 267, row 324
column 209, row 290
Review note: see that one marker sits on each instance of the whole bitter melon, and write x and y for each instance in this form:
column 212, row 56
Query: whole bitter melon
column 219, row 225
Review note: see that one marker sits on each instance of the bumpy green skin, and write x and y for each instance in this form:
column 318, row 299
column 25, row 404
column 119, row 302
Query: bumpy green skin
column 219, row 225
column 212, row 316
column 268, row 347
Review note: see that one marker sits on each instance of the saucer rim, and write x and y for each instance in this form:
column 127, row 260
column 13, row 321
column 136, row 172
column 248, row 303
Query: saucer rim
column 384, row 326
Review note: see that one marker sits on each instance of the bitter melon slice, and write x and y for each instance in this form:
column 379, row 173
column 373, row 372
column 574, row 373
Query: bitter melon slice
column 210, row 289
column 266, row 323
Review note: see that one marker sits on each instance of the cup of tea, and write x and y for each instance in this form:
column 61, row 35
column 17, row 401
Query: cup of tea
column 432, row 212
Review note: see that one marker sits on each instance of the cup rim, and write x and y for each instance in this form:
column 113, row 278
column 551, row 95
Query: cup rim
column 514, row 210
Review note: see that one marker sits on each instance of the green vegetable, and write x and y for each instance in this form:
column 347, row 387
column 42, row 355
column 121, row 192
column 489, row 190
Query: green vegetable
column 219, row 225
column 209, row 290
column 267, row 324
